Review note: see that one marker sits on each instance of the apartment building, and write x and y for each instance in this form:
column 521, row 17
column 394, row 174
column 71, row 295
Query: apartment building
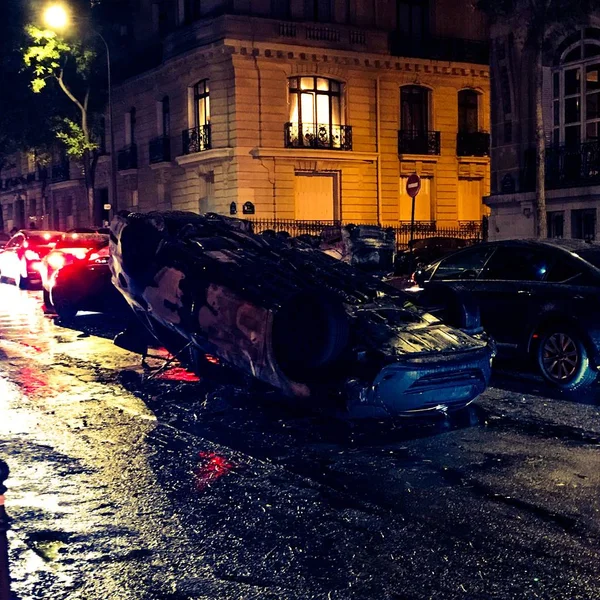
column 571, row 101
column 300, row 111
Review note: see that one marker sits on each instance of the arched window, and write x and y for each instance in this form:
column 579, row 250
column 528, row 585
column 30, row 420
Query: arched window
column 316, row 113
column 576, row 90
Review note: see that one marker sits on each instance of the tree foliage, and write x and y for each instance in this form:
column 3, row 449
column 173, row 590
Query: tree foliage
column 70, row 65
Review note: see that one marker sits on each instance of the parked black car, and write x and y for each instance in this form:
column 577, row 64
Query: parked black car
column 537, row 298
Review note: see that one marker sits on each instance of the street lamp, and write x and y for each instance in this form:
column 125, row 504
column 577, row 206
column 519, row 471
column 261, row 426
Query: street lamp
column 56, row 17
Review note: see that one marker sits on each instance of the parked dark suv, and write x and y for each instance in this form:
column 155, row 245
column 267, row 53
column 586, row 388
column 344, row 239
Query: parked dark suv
column 536, row 298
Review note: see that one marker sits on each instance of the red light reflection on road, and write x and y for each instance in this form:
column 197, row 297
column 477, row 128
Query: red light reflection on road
column 34, row 382
column 178, row 374
column 211, row 467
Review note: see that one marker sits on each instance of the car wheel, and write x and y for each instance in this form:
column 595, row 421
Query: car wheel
column 66, row 312
column 48, row 306
column 563, row 359
column 21, row 281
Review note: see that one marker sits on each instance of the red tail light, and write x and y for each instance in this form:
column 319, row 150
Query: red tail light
column 31, row 255
column 56, row 260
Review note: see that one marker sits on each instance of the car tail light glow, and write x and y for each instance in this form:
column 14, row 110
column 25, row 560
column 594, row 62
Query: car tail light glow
column 31, row 255
column 56, row 260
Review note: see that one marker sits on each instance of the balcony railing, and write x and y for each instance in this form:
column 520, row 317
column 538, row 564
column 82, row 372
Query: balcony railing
column 412, row 141
column 566, row 166
column 196, row 139
column 318, row 135
column 439, row 48
column 61, row 172
column 159, row 149
column 475, row 143
column 127, row 158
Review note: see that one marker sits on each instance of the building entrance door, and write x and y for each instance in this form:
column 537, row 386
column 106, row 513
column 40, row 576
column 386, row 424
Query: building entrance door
column 316, row 197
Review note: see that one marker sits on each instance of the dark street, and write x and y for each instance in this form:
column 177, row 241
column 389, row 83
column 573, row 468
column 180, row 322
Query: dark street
column 134, row 483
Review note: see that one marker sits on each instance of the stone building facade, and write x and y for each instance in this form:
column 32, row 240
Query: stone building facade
column 571, row 101
column 301, row 111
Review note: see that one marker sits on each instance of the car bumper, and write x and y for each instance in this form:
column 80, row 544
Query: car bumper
column 421, row 385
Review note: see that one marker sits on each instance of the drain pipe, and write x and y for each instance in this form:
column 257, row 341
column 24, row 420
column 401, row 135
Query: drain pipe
column 378, row 148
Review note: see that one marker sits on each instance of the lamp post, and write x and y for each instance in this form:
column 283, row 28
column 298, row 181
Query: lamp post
column 56, row 17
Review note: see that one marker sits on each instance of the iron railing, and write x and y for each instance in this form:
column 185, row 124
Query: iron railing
column 196, row 139
column 413, row 141
column 322, row 34
column 318, row 135
column 61, row 171
column 566, row 166
column 159, row 149
column 127, row 158
column 473, row 231
column 440, row 48
column 475, row 143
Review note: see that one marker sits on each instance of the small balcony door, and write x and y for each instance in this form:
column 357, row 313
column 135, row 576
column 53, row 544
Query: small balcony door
column 414, row 108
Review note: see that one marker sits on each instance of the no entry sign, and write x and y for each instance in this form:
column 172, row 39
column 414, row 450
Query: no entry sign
column 413, row 185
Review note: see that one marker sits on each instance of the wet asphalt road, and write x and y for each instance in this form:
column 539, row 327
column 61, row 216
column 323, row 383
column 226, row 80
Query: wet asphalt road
column 131, row 484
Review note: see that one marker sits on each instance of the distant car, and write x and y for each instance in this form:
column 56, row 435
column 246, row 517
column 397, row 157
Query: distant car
column 73, row 245
column 78, row 277
column 426, row 251
column 21, row 258
column 538, row 299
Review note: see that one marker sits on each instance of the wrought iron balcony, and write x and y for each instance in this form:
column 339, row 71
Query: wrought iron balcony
column 411, row 141
column 127, row 158
column 61, row 171
column 160, row 149
column 566, row 166
column 318, row 135
column 440, row 48
column 196, row 139
column 475, row 143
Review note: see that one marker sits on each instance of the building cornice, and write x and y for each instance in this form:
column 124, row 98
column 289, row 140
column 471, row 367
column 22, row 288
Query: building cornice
column 206, row 156
column 312, row 154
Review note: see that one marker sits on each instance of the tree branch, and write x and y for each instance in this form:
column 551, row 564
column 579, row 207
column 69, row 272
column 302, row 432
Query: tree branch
column 68, row 92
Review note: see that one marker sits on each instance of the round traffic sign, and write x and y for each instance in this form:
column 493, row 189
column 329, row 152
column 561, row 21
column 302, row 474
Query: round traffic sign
column 413, row 185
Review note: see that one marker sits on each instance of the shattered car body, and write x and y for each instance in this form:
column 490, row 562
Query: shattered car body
column 315, row 328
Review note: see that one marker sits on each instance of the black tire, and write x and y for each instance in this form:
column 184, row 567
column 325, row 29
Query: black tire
column 66, row 312
column 563, row 360
column 49, row 308
column 22, row 282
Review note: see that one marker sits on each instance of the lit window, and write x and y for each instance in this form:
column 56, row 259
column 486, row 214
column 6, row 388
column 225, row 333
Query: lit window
column 576, row 90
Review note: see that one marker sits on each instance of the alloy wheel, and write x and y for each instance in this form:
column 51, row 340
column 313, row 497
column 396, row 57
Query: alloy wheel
column 560, row 356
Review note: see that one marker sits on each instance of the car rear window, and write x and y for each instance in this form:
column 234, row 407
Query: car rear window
column 44, row 237
column 82, row 240
column 591, row 255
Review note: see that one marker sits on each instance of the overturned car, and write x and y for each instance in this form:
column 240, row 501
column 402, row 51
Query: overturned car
column 273, row 308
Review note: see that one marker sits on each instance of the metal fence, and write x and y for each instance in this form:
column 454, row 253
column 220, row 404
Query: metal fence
column 473, row 231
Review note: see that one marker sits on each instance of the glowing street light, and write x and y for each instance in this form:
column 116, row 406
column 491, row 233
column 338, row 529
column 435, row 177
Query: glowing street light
column 56, row 17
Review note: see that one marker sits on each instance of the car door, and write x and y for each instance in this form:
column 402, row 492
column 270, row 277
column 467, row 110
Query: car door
column 510, row 292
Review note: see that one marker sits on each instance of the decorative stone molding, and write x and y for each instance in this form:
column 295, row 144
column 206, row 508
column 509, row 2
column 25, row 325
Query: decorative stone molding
column 422, row 165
